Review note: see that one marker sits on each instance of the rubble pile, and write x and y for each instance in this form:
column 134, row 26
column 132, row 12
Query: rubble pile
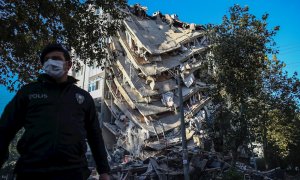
column 202, row 165
column 168, row 165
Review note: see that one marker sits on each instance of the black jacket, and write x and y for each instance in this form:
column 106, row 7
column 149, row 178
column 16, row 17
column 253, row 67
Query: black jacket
column 57, row 118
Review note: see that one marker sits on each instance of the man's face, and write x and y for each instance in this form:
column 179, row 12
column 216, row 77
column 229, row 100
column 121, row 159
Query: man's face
column 58, row 55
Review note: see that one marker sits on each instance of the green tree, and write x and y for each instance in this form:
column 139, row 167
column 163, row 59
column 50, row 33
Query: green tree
column 259, row 100
column 239, row 46
column 276, row 123
column 27, row 26
column 293, row 158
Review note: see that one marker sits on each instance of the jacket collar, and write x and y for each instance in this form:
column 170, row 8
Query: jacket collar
column 45, row 78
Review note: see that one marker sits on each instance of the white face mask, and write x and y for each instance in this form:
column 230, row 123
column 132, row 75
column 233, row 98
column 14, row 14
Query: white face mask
column 54, row 68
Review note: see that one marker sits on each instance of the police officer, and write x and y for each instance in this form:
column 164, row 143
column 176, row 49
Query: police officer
column 58, row 118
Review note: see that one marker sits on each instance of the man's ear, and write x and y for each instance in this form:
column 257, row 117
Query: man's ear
column 69, row 64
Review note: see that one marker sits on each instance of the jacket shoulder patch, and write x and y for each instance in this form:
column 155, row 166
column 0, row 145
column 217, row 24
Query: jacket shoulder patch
column 80, row 98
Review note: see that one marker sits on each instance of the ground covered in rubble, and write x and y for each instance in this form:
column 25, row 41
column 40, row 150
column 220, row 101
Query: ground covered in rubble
column 202, row 165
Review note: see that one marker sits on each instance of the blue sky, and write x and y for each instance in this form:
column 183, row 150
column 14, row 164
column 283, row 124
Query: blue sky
column 282, row 13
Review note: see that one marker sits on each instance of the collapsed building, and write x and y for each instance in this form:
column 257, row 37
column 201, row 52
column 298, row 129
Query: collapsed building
column 141, row 97
column 152, row 58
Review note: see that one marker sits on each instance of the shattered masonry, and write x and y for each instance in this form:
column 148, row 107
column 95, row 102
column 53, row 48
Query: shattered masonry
column 141, row 87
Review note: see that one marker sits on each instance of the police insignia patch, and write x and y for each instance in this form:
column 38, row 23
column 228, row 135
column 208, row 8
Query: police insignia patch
column 80, row 98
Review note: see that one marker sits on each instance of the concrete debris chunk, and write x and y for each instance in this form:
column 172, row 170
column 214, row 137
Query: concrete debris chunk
column 167, row 99
column 188, row 81
column 203, row 165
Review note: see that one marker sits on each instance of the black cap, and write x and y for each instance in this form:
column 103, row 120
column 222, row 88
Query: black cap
column 54, row 47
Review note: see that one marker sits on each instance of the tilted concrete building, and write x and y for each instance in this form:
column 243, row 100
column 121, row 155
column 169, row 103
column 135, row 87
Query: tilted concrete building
column 140, row 106
column 137, row 98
